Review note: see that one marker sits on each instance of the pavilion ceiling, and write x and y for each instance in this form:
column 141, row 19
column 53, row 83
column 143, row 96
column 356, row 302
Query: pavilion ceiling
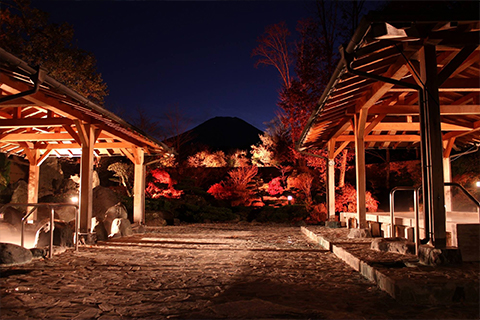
column 393, row 110
column 54, row 120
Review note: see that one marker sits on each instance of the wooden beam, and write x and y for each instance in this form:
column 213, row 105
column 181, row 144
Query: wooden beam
column 383, row 138
column 396, row 71
column 445, row 110
column 128, row 154
column 73, row 133
column 448, row 147
column 451, row 68
column 34, row 122
column 340, row 149
column 43, row 157
column 373, row 124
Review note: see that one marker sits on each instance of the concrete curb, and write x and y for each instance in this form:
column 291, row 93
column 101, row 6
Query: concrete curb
column 404, row 291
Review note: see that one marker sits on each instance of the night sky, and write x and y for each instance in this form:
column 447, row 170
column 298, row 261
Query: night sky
column 197, row 55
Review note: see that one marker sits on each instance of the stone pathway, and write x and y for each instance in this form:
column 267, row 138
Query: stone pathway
column 203, row 271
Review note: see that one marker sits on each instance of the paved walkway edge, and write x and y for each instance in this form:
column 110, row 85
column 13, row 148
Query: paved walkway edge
column 403, row 290
column 381, row 280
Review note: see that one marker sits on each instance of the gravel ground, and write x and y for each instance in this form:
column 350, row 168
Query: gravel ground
column 201, row 272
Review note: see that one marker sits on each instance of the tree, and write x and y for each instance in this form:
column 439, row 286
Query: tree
column 313, row 57
column 26, row 33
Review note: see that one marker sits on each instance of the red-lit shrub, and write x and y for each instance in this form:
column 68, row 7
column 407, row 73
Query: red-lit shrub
column 236, row 187
column 317, row 215
column 346, row 200
column 275, row 186
column 161, row 186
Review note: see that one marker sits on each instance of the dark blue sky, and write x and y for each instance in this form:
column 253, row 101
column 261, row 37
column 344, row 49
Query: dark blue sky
column 155, row 54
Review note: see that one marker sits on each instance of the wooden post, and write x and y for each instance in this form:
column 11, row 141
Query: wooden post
column 139, row 186
column 433, row 137
column 331, row 180
column 87, row 136
column 33, row 181
column 359, row 122
column 447, row 174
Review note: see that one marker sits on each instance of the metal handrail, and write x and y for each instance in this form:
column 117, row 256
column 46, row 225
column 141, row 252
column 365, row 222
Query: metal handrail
column 415, row 208
column 475, row 201
column 52, row 223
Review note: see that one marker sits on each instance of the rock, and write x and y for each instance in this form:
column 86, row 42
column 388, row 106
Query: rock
column 359, row 233
column 138, row 228
column 20, row 194
column 51, row 177
column 113, row 219
column 333, row 224
column 112, row 226
column 12, row 254
column 13, row 216
column 300, row 223
column 103, row 199
column 397, row 245
column 434, row 257
column 38, row 253
column 101, row 232
column 125, row 228
column 62, row 235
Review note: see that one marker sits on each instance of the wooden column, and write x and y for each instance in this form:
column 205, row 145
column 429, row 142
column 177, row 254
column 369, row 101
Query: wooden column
column 139, row 186
column 447, row 172
column 331, row 180
column 33, row 180
column 359, row 123
column 433, row 136
column 87, row 136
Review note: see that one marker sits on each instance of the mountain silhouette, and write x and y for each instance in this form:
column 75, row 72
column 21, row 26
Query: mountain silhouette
column 218, row 134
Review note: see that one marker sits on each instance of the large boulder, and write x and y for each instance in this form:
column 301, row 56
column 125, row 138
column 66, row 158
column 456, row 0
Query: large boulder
column 20, row 194
column 51, row 177
column 103, row 200
column 12, row 254
column 396, row 245
column 13, row 216
column 63, row 234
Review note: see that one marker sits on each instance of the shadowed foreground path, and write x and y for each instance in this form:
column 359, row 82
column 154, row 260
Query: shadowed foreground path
column 202, row 271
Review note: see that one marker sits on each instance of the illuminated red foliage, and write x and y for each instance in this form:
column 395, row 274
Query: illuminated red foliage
column 346, row 200
column 220, row 191
column 161, row 176
column 275, row 186
column 236, row 187
column 161, row 186
column 317, row 215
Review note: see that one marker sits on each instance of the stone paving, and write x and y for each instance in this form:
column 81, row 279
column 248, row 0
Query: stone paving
column 202, row 272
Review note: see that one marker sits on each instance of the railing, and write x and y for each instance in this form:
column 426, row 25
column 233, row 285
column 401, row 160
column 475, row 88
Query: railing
column 469, row 196
column 416, row 206
column 415, row 209
column 52, row 222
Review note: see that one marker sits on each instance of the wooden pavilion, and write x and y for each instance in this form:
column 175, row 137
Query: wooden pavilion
column 403, row 82
column 40, row 117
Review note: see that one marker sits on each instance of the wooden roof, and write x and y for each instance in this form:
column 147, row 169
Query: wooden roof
column 53, row 119
column 388, row 47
